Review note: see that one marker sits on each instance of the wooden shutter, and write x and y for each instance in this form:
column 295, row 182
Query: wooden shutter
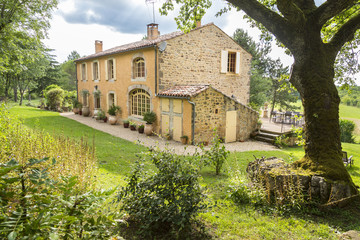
column 114, row 62
column 237, row 67
column 106, row 70
column 224, row 61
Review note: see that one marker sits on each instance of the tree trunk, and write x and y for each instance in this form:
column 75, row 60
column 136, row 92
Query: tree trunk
column 314, row 73
column 15, row 94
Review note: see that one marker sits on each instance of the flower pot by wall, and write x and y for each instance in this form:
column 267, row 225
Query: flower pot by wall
column 112, row 120
column 76, row 110
column 184, row 140
column 126, row 124
column 85, row 111
column 132, row 128
column 148, row 129
column 141, row 130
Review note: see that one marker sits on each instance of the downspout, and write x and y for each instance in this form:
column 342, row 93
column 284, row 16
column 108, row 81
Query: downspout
column 76, row 80
column 155, row 69
column 192, row 122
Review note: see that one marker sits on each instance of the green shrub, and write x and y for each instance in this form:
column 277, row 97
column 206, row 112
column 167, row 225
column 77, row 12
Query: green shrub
column 34, row 206
column 113, row 110
column 50, row 87
column 54, row 98
column 216, row 156
column 150, row 117
column 347, row 128
column 168, row 199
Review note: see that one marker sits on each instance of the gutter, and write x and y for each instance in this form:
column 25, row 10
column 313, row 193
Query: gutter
column 155, row 49
column 192, row 121
column 76, row 80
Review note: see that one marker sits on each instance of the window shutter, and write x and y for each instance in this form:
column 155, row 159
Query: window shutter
column 106, row 70
column 114, row 62
column 92, row 71
column 237, row 67
column 224, row 61
column 86, row 72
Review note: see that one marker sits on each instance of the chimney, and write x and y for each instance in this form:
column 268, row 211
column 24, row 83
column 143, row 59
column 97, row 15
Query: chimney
column 152, row 31
column 198, row 24
column 98, row 46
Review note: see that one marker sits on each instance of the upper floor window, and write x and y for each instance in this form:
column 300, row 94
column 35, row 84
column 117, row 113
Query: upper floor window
column 95, row 68
column 230, row 62
column 83, row 71
column 139, row 102
column 110, row 69
column 139, row 68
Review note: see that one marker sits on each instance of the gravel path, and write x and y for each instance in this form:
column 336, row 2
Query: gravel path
column 155, row 141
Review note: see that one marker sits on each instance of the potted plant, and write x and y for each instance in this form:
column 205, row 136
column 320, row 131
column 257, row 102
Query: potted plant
column 85, row 109
column 126, row 123
column 184, row 139
column 113, row 110
column 141, row 128
column 76, row 105
column 149, row 118
column 100, row 115
column 132, row 126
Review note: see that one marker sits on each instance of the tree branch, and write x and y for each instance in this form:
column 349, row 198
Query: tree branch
column 272, row 21
column 291, row 11
column 331, row 8
column 346, row 33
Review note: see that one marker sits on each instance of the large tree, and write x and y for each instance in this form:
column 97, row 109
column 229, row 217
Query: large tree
column 314, row 34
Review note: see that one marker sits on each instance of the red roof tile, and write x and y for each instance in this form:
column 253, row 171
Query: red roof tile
column 183, row 91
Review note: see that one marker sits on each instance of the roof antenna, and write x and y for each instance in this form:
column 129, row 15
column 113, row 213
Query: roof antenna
column 153, row 3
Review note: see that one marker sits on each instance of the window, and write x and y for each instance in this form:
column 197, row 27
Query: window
column 111, row 99
column 139, row 68
column 83, row 72
column 140, row 102
column 110, row 69
column 97, row 102
column 230, row 62
column 95, row 70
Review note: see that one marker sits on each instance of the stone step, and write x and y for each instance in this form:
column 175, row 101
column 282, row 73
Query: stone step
column 264, row 139
column 268, row 135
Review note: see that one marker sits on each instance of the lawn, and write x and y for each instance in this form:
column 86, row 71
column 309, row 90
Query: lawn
column 225, row 220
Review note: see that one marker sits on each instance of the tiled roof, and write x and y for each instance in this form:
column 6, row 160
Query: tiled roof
column 183, row 91
column 137, row 45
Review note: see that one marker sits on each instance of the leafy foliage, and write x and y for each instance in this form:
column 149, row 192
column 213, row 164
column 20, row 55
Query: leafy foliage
column 113, row 110
column 150, row 117
column 34, row 206
column 54, row 98
column 168, row 199
column 216, row 155
column 347, row 128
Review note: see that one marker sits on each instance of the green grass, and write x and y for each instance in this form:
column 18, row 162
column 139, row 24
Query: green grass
column 225, row 220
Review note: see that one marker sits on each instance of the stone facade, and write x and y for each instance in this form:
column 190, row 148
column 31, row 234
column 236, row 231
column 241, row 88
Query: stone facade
column 210, row 109
column 195, row 58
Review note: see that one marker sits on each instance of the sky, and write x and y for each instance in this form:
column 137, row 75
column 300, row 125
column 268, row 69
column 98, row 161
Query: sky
column 76, row 24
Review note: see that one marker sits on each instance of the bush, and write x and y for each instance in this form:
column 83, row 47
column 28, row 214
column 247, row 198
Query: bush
column 50, row 87
column 54, row 98
column 216, row 156
column 150, row 117
column 34, row 206
column 347, row 128
column 168, row 199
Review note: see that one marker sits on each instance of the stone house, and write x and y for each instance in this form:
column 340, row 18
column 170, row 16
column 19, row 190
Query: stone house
column 195, row 82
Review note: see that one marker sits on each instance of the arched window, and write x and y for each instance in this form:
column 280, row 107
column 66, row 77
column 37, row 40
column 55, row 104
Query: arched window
column 139, row 102
column 139, row 68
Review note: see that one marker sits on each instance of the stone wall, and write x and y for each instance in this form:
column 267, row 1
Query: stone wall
column 211, row 107
column 195, row 58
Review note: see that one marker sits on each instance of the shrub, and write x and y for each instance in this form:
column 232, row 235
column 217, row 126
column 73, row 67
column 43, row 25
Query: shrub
column 50, row 87
column 34, row 206
column 168, row 199
column 55, row 98
column 347, row 128
column 150, row 117
column 216, row 156
column 113, row 110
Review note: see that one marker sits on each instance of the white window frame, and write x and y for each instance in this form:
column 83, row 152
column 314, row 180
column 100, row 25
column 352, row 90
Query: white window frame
column 225, row 61
column 107, row 77
column 95, row 78
column 141, row 92
column 108, row 99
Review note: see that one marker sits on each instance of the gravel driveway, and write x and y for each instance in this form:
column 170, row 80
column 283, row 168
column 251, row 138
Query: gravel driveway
column 155, row 141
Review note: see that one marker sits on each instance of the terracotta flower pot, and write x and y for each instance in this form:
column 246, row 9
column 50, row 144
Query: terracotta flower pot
column 148, row 129
column 85, row 111
column 112, row 120
column 75, row 110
